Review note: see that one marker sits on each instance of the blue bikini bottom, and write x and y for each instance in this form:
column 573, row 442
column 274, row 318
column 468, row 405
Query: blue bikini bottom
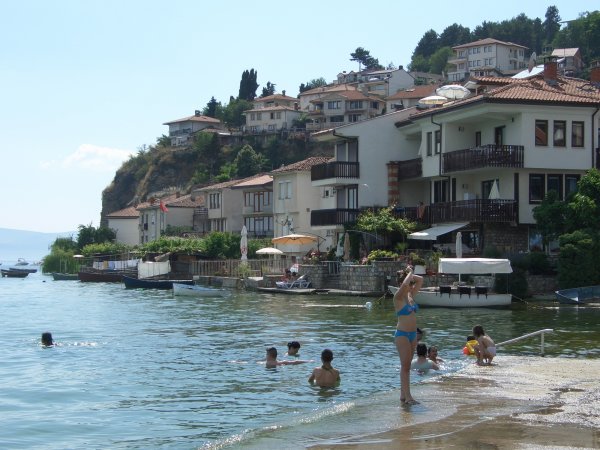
column 410, row 335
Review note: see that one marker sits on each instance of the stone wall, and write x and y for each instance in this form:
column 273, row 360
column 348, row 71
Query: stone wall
column 506, row 238
column 541, row 284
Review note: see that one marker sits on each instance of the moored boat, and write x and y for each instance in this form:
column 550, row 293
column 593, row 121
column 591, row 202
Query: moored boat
column 193, row 290
column 64, row 276
column 22, row 262
column 579, row 296
column 23, row 269
column 14, row 273
column 151, row 283
column 95, row 276
column 463, row 296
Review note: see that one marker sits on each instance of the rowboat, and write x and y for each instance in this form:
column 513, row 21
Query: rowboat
column 151, row 283
column 463, row 296
column 23, row 269
column 193, row 290
column 95, row 276
column 14, row 273
column 64, row 276
column 579, row 296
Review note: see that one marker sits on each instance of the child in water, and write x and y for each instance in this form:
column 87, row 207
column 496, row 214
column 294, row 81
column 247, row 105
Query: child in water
column 422, row 364
column 485, row 350
column 326, row 375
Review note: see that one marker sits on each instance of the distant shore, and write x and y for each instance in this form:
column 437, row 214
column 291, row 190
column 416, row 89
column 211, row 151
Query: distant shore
column 529, row 402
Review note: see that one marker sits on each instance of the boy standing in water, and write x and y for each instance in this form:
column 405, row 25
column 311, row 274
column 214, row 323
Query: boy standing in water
column 485, row 349
column 272, row 361
column 326, row 375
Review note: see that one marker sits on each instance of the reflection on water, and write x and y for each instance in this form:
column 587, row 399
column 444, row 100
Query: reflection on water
column 141, row 369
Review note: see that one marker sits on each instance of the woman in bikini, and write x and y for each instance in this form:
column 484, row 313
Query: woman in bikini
column 406, row 328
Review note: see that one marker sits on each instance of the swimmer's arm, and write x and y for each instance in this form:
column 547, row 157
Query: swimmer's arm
column 311, row 379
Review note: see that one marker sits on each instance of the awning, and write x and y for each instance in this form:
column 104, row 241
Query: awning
column 474, row 265
column 431, row 234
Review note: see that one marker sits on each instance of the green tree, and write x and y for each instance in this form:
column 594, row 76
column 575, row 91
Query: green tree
column 419, row 63
column 427, row 45
column 248, row 162
column 439, row 60
column 364, row 58
column 163, row 141
column 550, row 217
column 584, row 33
column 314, row 83
column 212, row 108
column 269, row 89
column 248, row 85
column 551, row 26
column 89, row 235
column 233, row 114
column 454, row 35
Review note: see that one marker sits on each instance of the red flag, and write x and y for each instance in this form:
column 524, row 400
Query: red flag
column 163, row 207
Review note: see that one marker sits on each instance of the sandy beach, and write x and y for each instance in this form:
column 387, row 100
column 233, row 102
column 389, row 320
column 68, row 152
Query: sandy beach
column 518, row 403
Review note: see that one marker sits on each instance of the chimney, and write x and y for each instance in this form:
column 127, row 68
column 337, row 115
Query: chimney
column 197, row 113
column 595, row 71
column 550, row 69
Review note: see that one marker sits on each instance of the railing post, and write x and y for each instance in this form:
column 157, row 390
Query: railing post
column 542, row 342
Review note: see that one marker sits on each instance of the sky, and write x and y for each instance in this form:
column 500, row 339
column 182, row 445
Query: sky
column 86, row 84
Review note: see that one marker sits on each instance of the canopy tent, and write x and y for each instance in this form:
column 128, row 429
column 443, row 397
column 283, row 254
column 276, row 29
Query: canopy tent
column 431, row 234
column 476, row 266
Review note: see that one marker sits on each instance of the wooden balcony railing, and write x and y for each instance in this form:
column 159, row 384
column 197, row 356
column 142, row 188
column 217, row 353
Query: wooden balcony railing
column 411, row 168
column 484, row 156
column 335, row 169
column 322, row 217
column 481, row 210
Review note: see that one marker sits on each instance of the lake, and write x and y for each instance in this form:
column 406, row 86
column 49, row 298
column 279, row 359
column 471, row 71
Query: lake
column 146, row 369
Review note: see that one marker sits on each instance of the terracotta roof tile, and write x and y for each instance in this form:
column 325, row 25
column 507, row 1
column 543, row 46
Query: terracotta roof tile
column 303, row 165
column 275, row 97
column 194, row 119
column 487, row 41
column 271, row 108
column 125, row 213
column 415, row 92
column 259, row 180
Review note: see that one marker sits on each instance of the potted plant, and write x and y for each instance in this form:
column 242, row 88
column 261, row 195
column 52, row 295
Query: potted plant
column 418, row 262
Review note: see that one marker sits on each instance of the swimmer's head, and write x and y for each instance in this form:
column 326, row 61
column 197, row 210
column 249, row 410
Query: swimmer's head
column 47, row 339
column 327, row 355
column 272, row 352
column 421, row 350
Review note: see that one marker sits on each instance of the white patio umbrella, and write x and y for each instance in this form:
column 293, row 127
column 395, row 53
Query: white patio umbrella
column 244, row 243
column 453, row 91
column 459, row 248
column 433, row 100
column 269, row 251
column 494, row 192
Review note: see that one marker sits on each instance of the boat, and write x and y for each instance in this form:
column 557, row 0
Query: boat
column 94, row 276
column 22, row 262
column 64, row 276
column 579, row 296
column 23, row 269
column 151, row 283
column 194, row 290
column 14, row 273
column 460, row 295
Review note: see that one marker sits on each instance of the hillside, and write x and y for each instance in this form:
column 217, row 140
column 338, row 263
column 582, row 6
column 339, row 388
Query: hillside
column 30, row 245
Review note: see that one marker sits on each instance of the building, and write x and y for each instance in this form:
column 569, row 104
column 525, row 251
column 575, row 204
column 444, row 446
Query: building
column 486, row 58
column 408, row 98
column 295, row 198
column 479, row 165
column 125, row 224
column 569, row 61
column 272, row 114
column 182, row 131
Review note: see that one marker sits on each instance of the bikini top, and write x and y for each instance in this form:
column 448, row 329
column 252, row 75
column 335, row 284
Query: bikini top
column 407, row 309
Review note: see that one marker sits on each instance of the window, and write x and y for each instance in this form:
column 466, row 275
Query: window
column 536, row 187
column 354, row 118
column 252, row 116
column 429, row 143
column 214, row 201
column 218, row 224
column 554, row 182
column 577, row 134
column 356, row 104
column 352, row 197
column 271, row 127
column 285, row 190
column 334, row 105
column 560, row 133
column 374, row 105
column 254, row 129
column 278, row 115
column 272, row 116
column 337, row 119
column 258, row 116
column 541, row 132
column 571, row 184
column 478, row 139
column 438, row 142
column 486, row 187
column 259, row 226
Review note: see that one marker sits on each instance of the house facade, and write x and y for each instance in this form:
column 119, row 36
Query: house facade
column 125, row 224
column 232, row 204
column 182, row 131
column 409, row 97
column 481, row 164
column 569, row 61
column 486, row 57
column 295, row 197
column 272, row 114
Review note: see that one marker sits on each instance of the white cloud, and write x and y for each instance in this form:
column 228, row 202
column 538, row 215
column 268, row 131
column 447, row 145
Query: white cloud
column 92, row 157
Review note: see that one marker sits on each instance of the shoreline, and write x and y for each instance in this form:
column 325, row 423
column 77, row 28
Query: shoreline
column 531, row 402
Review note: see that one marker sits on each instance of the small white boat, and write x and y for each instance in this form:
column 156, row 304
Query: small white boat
column 22, row 262
column 193, row 290
column 463, row 296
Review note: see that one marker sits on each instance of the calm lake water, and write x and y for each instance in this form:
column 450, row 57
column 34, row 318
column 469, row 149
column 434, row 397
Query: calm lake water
column 145, row 369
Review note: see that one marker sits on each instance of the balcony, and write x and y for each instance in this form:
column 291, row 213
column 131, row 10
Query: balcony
column 412, row 168
column 335, row 169
column 484, row 156
column 325, row 217
column 481, row 210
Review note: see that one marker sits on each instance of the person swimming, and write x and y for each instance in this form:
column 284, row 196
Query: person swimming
column 47, row 340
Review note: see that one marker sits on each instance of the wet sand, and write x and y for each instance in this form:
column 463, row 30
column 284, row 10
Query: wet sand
column 518, row 403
